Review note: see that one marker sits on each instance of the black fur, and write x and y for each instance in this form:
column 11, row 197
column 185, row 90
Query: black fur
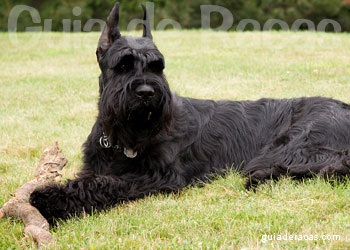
column 180, row 141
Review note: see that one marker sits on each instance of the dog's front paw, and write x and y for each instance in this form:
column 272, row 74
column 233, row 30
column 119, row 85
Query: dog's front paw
column 51, row 201
column 257, row 178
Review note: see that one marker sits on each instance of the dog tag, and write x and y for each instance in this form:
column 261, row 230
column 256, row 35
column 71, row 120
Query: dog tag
column 130, row 153
column 104, row 142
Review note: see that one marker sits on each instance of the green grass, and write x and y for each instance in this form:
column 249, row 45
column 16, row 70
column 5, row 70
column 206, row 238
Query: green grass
column 49, row 93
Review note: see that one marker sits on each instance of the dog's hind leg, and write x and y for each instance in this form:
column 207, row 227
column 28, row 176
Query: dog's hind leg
column 306, row 162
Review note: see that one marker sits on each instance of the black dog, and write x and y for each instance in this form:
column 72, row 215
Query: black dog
column 147, row 139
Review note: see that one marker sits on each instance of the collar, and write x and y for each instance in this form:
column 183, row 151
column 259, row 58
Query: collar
column 105, row 143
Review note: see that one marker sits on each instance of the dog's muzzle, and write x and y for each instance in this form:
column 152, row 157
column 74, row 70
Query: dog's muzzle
column 145, row 92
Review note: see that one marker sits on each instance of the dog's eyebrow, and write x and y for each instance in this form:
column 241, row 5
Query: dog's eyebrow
column 117, row 53
column 153, row 55
column 116, row 57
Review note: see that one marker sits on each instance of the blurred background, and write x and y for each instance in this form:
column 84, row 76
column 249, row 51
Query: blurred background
column 186, row 12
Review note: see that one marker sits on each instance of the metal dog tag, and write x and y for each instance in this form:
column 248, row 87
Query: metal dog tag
column 104, row 142
column 130, row 153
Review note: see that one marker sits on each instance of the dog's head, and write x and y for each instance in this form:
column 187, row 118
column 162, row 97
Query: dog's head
column 135, row 99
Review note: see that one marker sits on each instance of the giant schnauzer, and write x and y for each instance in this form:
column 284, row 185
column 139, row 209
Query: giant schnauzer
column 147, row 139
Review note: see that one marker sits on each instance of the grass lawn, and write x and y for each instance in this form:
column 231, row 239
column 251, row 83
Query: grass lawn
column 49, row 92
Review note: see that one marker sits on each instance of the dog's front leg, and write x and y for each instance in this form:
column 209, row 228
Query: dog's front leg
column 96, row 193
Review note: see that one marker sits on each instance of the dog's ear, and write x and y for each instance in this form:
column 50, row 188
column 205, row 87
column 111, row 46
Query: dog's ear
column 146, row 25
column 110, row 32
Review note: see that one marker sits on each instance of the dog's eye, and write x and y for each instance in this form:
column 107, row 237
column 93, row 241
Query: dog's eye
column 125, row 65
column 156, row 66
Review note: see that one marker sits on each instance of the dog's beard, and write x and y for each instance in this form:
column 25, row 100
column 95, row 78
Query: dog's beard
column 143, row 114
column 131, row 121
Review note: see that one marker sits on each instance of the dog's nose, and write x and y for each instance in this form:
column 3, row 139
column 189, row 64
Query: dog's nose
column 145, row 92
